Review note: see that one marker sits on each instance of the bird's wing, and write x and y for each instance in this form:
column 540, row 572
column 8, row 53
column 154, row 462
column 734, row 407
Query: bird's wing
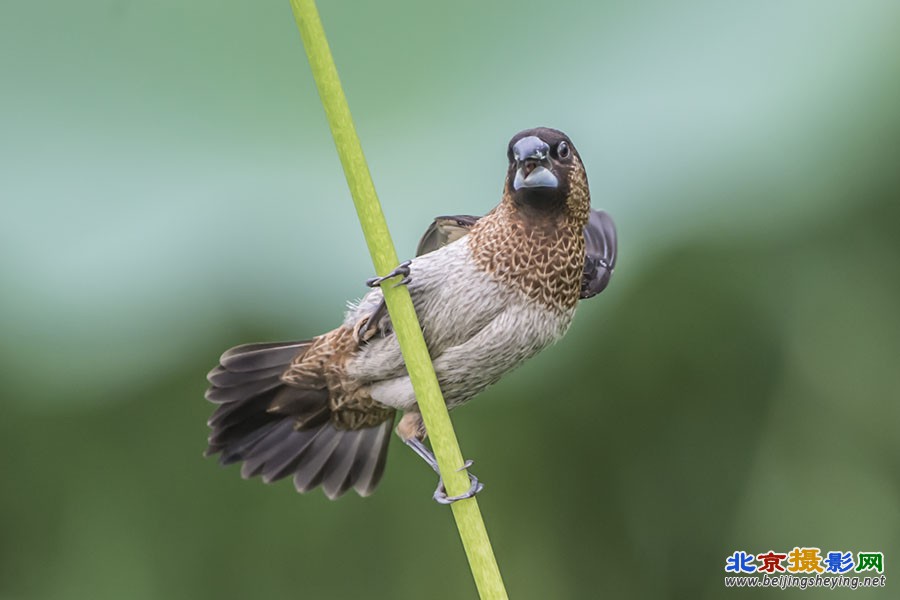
column 600, row 253
column 444, row 230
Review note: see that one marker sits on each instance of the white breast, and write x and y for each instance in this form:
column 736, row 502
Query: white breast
column 476, row 328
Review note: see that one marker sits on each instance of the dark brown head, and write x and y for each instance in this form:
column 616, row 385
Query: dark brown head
column 546, row 173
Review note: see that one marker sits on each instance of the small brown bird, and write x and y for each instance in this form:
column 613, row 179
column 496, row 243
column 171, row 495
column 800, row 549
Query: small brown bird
column 489, row 292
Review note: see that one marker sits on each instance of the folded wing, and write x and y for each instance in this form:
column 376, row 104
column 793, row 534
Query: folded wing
column 600, row 253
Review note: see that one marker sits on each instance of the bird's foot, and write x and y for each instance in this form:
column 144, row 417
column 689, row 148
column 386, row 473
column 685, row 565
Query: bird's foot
column 440, row 494
column 402, row 269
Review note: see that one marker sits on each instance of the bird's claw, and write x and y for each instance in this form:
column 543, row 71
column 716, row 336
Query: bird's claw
column 402, row 269
column 440, row 494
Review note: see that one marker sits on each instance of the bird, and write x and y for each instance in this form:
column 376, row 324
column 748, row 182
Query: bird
column 489, row 292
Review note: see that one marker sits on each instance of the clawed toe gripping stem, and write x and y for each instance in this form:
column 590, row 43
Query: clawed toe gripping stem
column 440, row 493
column 402, row 269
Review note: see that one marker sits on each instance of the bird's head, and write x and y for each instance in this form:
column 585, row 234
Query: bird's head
column 546, row 173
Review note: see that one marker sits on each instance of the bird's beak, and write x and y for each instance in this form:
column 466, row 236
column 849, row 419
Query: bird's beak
column 533, row 168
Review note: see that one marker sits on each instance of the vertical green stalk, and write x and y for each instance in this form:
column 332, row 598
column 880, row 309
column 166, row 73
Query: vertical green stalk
column 406, row 324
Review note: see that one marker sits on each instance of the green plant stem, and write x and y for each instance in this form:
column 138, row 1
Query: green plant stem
column 406, row 325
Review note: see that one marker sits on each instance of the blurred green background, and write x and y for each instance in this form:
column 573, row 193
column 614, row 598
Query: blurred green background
column 169, row 189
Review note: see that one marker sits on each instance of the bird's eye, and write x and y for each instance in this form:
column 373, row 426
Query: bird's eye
column 562, row 150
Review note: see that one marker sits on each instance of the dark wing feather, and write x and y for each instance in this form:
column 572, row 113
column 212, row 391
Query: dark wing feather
column 600, row 253
column 444, row 230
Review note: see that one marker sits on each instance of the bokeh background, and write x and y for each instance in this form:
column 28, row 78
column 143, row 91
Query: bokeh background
column 170, row 189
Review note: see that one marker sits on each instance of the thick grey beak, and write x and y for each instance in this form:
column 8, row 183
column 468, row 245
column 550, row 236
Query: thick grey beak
column 532, row 159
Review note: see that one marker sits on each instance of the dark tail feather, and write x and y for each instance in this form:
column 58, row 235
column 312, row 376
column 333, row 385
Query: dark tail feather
column 254, row 357
column 368, row 467
column 257, row 418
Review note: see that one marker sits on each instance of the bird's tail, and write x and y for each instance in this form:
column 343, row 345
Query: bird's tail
column 278, row 430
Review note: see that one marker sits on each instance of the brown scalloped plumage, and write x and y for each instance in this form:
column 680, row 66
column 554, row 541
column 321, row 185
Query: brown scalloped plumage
column 539, row 251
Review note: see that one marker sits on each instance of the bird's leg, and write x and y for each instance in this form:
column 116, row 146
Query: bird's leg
column 440, row 494
column 402, row 269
